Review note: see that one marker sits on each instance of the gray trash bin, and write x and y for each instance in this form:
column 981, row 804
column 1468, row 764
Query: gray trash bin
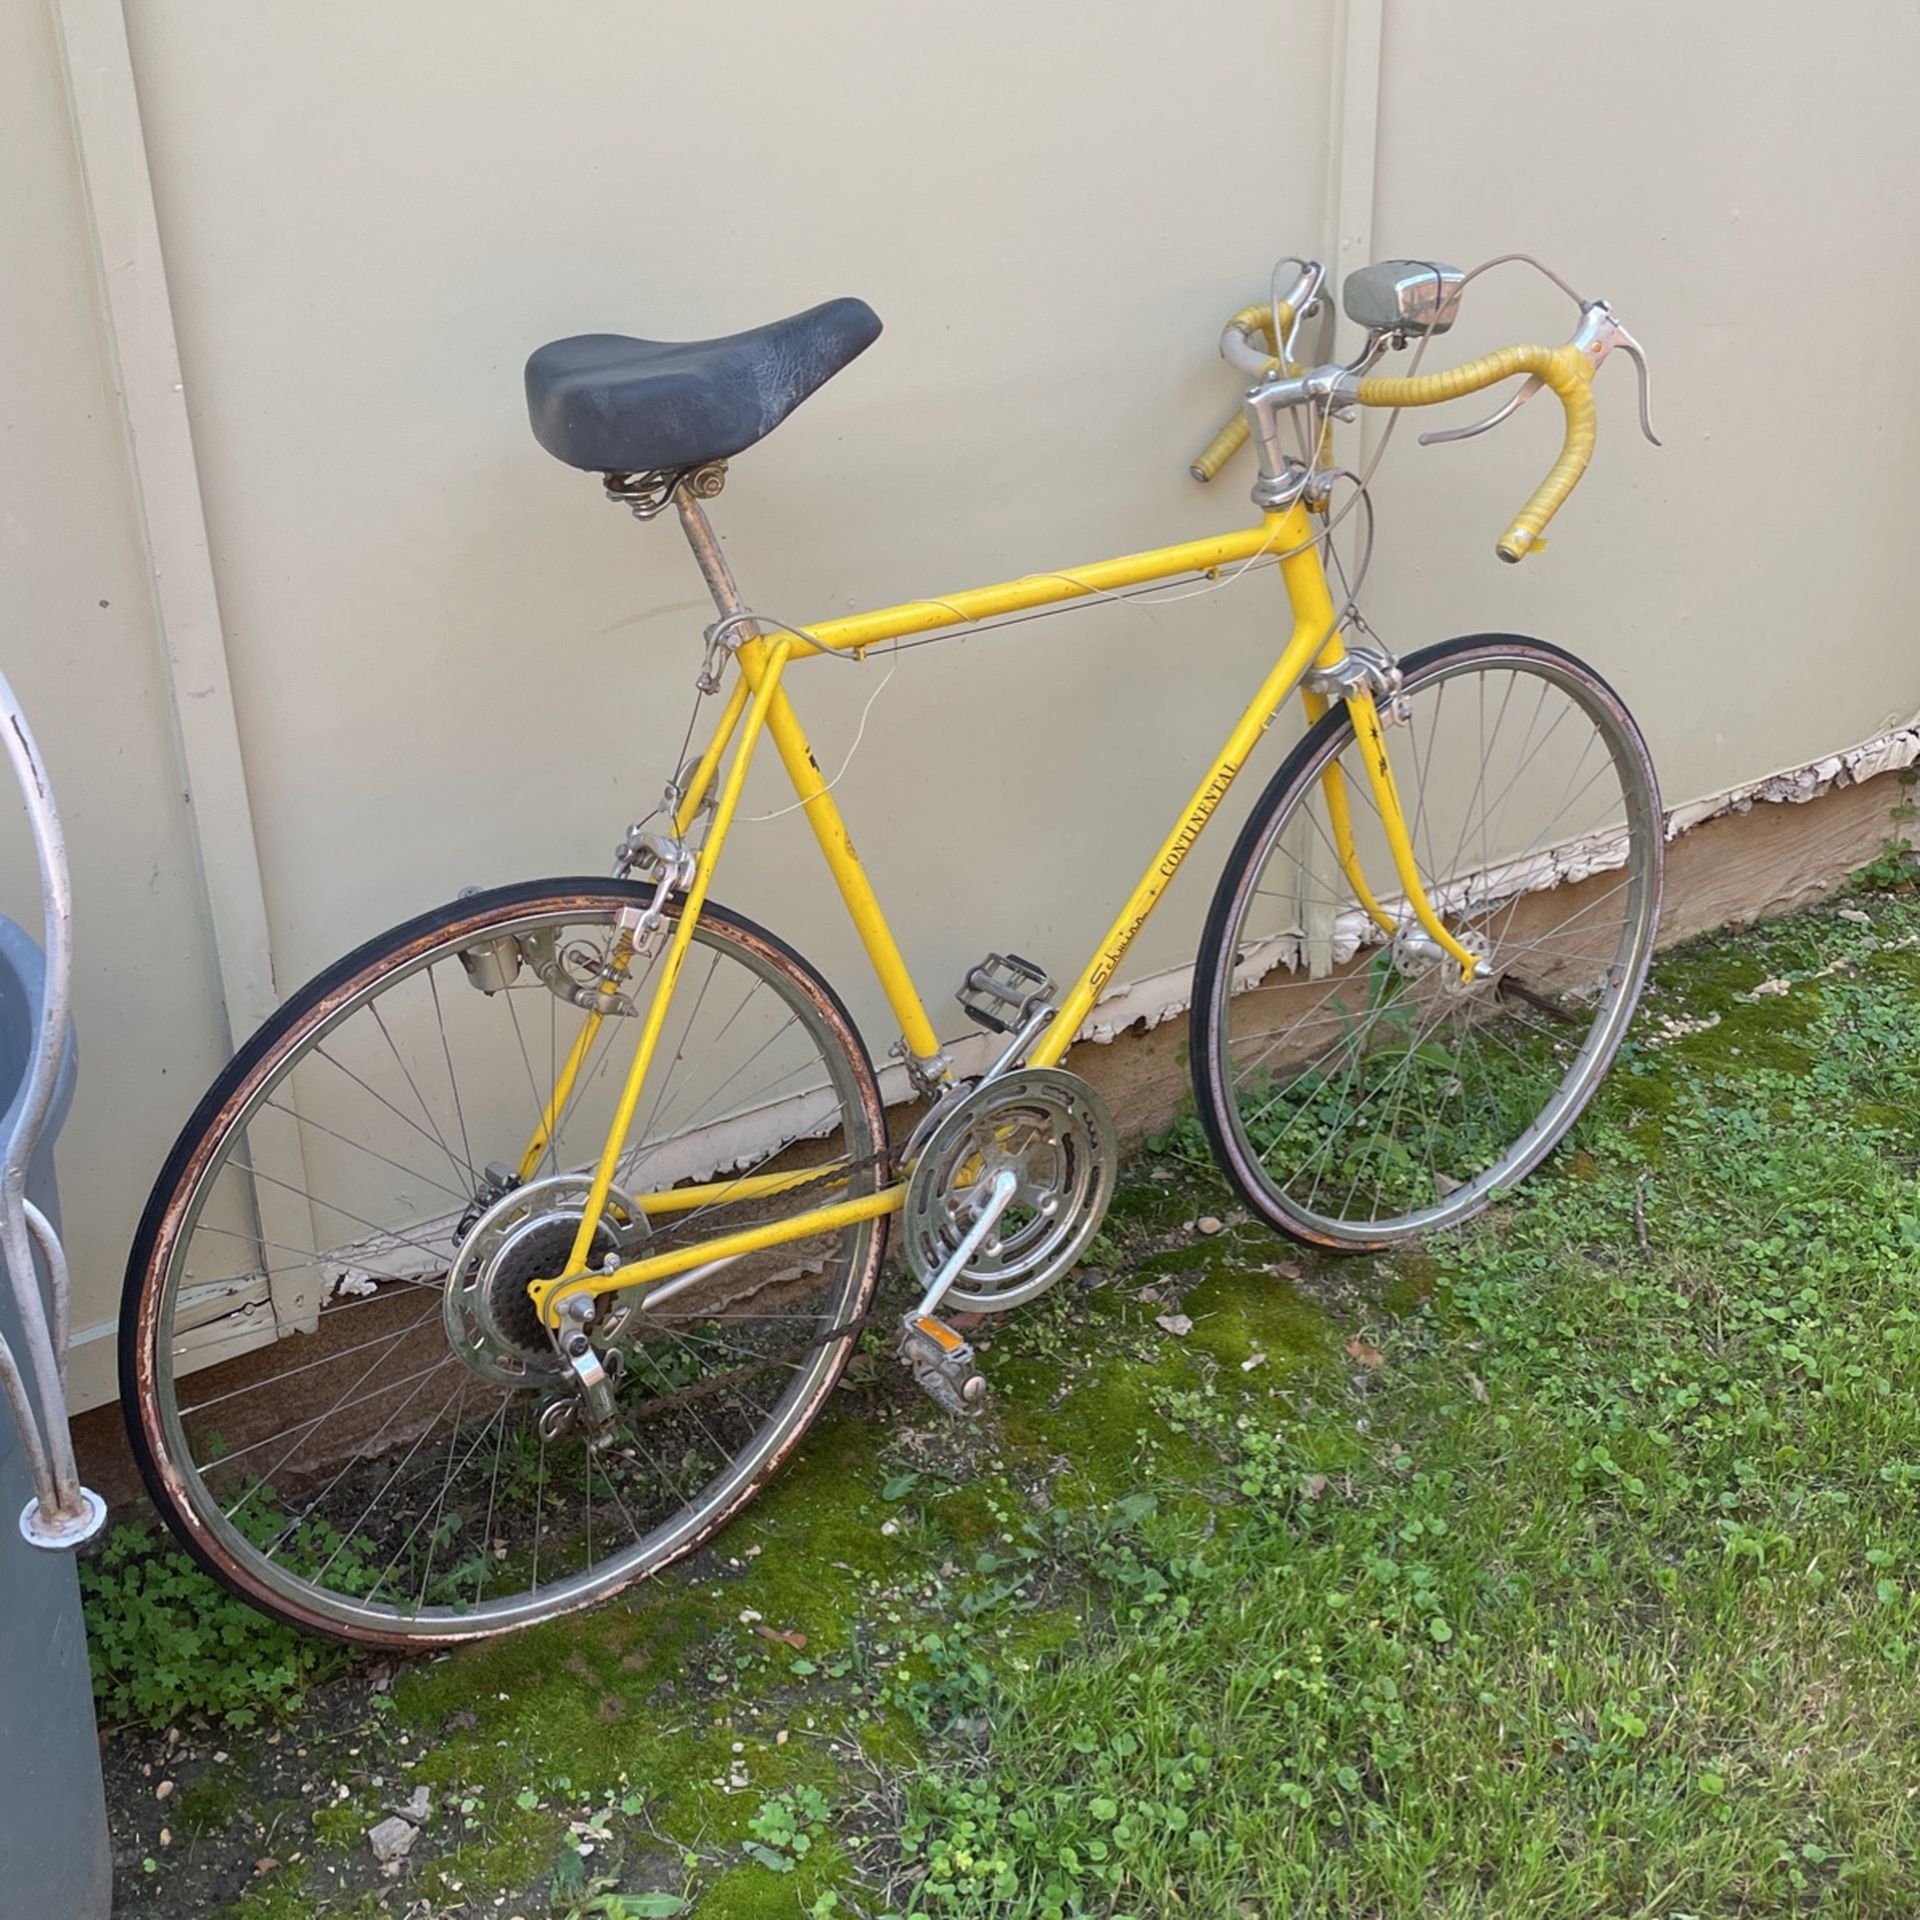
column 54, row 1857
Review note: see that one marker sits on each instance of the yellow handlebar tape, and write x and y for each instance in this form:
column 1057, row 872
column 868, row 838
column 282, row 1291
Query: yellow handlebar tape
column 1221, row 448
column 1258, row 318
column 1233, row 436
column 1565, row 369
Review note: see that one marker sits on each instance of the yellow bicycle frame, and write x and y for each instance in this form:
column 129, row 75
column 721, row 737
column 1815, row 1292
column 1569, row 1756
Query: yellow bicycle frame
column 759, row 704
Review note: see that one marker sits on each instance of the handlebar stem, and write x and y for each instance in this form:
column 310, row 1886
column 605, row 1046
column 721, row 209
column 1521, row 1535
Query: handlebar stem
column 1282, row 478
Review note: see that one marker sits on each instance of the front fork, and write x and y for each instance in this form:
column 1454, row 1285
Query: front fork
column 1355, row 677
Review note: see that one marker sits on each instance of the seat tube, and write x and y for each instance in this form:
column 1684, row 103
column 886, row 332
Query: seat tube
column 783, row 726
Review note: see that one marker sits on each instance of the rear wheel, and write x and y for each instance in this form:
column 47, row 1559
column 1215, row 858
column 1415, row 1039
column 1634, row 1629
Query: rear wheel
column 337, row 1388
column 1354, row 1090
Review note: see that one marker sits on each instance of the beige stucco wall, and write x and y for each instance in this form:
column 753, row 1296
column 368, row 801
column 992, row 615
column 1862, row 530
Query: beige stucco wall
column 81, row 652
column 1722, row 172
column 451, row 661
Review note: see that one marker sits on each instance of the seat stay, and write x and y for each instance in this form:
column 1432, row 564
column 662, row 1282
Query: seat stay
column 676, row 953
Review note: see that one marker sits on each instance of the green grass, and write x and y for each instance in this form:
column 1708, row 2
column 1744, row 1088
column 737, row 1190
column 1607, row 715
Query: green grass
column 165, row 1640
column 1598, row 1595
column 1568, row 1567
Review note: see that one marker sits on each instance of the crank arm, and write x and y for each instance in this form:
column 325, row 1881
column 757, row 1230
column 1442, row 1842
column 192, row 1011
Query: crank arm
column 1006, row 1184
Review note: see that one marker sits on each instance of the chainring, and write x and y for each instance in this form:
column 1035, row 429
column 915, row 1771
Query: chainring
column 1053, row 1131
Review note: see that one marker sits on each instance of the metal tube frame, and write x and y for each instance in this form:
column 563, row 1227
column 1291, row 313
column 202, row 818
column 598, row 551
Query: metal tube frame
column 760, row 705
column 62, row 1513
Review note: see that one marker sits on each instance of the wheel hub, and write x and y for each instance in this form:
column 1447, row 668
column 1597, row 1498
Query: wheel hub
column 1416, row 953
column 526, row 1235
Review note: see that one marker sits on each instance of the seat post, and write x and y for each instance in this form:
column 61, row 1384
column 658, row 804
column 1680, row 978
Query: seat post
column 706, row 550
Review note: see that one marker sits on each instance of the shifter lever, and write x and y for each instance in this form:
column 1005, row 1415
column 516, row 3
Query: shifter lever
column 1526, row 392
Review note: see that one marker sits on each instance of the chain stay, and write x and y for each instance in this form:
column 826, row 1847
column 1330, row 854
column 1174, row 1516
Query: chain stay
column 701, row 1389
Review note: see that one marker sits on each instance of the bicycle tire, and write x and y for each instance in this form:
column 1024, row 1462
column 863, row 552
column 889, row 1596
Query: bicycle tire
column 314, row 1026
column 1364, row 1027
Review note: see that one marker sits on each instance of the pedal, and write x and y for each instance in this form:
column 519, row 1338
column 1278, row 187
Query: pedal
column 1005, row 991
column 942, row 1363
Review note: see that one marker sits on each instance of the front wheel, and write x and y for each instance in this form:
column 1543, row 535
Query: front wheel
column 1353, row 1088
column 336, row 1385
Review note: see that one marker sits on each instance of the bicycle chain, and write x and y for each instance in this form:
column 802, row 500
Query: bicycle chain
column 702, row 1389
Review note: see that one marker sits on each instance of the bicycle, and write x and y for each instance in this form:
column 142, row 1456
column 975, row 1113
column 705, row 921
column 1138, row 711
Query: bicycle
column 393, row 1388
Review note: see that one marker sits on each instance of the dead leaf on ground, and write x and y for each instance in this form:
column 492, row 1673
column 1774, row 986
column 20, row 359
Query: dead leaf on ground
column 790, row 1637
column 1366, row 1353
column 1313, row 1486
column 1477, row 1387
column 1178, row 1324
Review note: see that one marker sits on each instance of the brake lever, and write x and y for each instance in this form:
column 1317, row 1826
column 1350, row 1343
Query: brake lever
column 1637, row 354
column 1597, row 336
column 1298, row 297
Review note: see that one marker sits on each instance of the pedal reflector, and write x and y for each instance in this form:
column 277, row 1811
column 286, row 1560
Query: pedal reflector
column 943, row 1336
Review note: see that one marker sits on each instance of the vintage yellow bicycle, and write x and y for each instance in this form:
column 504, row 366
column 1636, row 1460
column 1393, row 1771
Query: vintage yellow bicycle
column 518, row 1249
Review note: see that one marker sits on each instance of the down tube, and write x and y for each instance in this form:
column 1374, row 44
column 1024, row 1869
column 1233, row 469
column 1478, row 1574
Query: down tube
column 1315, row 636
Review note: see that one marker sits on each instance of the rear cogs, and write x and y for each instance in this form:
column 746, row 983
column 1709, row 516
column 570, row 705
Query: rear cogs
column 526, row 1235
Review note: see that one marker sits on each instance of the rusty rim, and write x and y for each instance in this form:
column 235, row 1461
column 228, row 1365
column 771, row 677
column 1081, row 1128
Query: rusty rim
column 174, row 1446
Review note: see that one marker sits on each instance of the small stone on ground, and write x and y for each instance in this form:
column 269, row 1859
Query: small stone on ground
column 391, row 1839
